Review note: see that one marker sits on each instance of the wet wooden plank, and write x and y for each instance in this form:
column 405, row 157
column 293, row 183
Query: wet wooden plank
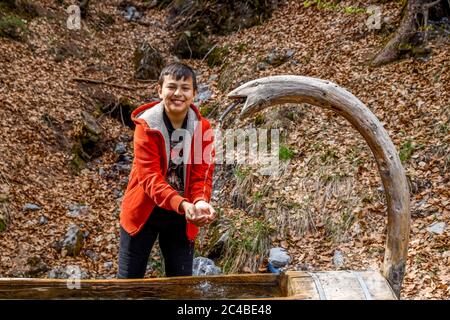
column 333, row 285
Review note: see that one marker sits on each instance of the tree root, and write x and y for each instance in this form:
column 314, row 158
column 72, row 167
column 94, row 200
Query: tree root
column 409, row 27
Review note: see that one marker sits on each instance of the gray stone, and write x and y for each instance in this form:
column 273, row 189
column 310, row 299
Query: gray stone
column 72, row 272
column 76, row 210
column 120, row 148
column 261, row 66
column 31, row 207
column 72, row 242
column 131, row 14
column 91, row 125
column 213, row 77
column 204, row 94
column 338, row 259
column 204, row 266
column 108, row 265
column 278, row 57
column 91, row 255
column 278, row 257
column 437, row 228
column 43, row 220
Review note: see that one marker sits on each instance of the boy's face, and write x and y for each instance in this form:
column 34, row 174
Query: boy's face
column 177, row 95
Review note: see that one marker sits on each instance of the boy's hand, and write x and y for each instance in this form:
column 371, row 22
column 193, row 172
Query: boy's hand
column 206, row 210
column 192, row 214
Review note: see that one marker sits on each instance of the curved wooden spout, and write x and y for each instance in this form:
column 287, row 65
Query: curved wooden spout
column 264, row 92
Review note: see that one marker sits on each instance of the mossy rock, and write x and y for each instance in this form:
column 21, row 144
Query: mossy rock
column 191, row 45
column 148, row 62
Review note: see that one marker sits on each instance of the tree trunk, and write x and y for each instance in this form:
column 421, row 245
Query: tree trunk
column 414, row 20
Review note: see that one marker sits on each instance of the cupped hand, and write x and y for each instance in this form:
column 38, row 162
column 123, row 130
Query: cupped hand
column 206, row 210
column 193, row 215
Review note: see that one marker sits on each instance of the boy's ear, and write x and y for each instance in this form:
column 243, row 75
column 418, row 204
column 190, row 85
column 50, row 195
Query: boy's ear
column 159, row 91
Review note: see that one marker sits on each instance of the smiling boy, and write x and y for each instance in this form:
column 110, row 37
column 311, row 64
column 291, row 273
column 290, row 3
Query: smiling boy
column 169, row 189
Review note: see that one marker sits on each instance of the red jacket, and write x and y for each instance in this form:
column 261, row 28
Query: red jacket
column 147, row 186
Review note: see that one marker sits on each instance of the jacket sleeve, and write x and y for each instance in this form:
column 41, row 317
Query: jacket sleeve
column 148, row 159
column 201, row 174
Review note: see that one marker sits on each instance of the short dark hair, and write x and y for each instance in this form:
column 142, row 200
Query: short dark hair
column 179, row 71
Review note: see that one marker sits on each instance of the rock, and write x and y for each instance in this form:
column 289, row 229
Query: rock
column 278, row 57
column 131, row 14
column 73, row 272
column 91, row 255
column 437, row 228
column 191, row 45
column 204, row 266
column 108, row 265
column 35, row 266
column 118, row 193
column 204, row 94
column 338, row 259
column 278, row 257
column 124, row 158
column 148, row 62
column 261, row 66
column 72, row 242
column 122, row 168
column 213, row 77
column 120, row 148
column 76, row 210
column 303, row 267
column 90, row 124
column 31, row 207
column 42, row 220
column 87, row 145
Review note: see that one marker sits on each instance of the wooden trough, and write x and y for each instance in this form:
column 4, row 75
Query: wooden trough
column 327, row 285
column 259, row 94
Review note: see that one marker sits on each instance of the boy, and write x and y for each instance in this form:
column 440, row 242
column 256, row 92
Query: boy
column 171, row 178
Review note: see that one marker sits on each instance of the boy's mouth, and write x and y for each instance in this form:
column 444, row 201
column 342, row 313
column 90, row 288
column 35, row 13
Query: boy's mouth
column 177, row 102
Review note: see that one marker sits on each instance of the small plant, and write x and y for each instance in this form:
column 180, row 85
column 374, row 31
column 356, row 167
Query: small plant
column 12, row 27
column 257, row 196
column 217, row 56
column 285, row 154
column 241, row 48
column 259, row 119
column 329, row 156
column 406, row 150
column 353, row 10
column 241, row 173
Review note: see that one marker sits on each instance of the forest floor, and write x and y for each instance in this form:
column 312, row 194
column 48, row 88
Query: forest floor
column 328, row 199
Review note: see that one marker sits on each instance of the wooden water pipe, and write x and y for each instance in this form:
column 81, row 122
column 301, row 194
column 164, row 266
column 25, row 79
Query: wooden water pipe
column 264, row 92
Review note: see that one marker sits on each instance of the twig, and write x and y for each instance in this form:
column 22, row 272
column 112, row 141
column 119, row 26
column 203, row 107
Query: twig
column 209, row 51
column 145, row 81
column 109, row 83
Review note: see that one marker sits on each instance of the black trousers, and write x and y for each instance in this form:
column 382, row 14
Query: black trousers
column 177, row 250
